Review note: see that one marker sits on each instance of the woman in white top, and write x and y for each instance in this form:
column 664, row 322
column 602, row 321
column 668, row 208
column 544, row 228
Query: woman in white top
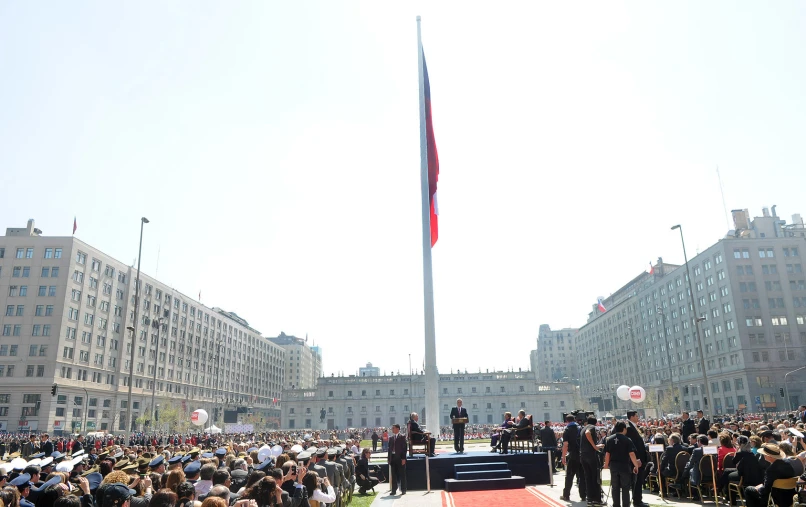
column 312, row 483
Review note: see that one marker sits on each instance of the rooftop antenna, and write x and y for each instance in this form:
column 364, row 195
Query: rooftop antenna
column 157, row 271
column 722, row 191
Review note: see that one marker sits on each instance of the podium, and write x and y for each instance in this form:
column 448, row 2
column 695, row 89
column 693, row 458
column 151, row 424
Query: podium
column 460, row 420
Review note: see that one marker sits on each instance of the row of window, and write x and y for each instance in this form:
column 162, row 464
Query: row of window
column 764, row 253
column 777, row 320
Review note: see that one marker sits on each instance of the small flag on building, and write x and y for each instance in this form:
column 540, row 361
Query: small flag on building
column 75, row 225
column 651, row 269
column 601, row 305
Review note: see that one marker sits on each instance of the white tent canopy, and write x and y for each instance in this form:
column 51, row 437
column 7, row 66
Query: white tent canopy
column 213, row 429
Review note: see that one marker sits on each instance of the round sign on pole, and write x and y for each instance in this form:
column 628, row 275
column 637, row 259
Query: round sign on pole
column 199, row 417
column 623, row 393
column 637, row 394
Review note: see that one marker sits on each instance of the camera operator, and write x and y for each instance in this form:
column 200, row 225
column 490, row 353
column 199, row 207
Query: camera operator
column 571, row 461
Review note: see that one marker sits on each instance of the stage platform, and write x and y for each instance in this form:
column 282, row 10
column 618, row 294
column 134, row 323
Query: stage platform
column 533, row 467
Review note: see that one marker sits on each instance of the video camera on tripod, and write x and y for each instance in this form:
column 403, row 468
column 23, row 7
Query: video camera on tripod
column 580, row 416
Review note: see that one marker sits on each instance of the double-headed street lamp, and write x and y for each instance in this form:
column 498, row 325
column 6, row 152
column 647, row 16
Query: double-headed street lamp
column 133, row 328
column 697, row 321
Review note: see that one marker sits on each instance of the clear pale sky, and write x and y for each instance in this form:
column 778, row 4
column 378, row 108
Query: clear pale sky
column 275, row 148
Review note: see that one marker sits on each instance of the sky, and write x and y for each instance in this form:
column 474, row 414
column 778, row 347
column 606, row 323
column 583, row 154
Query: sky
column 274, row 147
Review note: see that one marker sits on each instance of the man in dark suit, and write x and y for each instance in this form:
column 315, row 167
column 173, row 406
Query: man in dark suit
column 689, row 428
column 668, row 463
column 640, row 453
column 506, row 435
column 703, row 425
column 758, row 496
column 458, row 429
column 693, row 465
column 46, row 446
column 548, row 440
column 416, row 434
column 397, row 459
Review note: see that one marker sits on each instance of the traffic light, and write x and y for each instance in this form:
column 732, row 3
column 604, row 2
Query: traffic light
column 781, row 392
column 53, row 389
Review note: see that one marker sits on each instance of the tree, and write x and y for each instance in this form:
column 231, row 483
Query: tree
column 169, row 417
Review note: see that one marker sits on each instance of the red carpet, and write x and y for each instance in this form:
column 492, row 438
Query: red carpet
column 516, row 497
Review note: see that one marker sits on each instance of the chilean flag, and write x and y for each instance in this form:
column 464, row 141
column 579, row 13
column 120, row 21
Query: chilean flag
column 433, row 159
column 601, row 305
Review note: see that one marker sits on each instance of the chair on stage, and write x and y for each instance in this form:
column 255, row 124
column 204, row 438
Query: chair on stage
column 421, row 446
column 523, row 439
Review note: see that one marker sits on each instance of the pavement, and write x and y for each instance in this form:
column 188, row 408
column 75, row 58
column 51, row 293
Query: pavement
column 550, row 494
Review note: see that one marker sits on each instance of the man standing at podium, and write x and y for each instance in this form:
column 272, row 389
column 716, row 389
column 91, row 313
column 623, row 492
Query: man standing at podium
column 459, row 412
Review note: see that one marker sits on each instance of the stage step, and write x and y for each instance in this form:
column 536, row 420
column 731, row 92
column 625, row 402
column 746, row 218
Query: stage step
column 483, row 475
column 514, row 482
column 476, row 467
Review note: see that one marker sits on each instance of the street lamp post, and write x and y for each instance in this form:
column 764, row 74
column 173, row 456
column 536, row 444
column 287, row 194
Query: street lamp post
column 86, row 408
column 786, row 385
column 659, row 309
column 154, row 379
column 129, row 411
column 697, row 321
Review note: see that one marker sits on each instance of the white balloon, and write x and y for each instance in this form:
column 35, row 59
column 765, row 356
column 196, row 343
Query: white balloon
column 623, row 393
column 637, row 394
column 199, row 417
column 276, row 451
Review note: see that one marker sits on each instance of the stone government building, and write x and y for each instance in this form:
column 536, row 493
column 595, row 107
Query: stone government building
column 750, row 306
column 382, row 400
column 66, row 309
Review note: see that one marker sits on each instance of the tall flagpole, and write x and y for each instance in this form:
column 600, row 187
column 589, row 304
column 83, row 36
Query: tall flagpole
column 431, row 375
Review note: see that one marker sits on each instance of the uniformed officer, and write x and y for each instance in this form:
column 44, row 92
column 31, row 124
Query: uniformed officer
column 620, row 458
column 23, row 485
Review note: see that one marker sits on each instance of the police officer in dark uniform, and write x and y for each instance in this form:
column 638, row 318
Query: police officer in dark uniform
column 570, row 459
column 620, row 459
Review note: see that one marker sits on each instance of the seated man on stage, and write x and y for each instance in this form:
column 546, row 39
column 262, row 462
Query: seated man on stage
column 496, row 435
column 416, row 434
column 506, row 436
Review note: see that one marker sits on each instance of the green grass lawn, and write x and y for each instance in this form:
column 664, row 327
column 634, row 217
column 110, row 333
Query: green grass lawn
column 364, row 501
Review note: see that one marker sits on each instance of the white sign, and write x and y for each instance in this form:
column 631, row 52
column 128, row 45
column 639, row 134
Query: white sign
column 239, row 428
column 655, row 447
column 26, row 425
column 709, row 449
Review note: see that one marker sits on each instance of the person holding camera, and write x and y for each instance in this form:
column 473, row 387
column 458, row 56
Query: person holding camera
column 320, row 491
column 363, row 478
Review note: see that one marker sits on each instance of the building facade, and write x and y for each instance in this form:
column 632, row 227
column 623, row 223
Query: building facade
column 303, row 364
column 383, row 400
column 67, row 321
column 748, row 309
column 555, row 358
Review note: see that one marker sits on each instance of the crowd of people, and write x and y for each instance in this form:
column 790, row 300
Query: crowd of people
column 750, row 452
column 193, row 470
